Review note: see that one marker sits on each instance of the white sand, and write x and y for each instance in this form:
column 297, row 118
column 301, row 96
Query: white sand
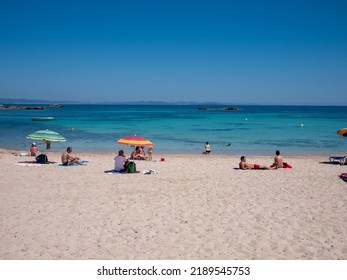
column 197, row 207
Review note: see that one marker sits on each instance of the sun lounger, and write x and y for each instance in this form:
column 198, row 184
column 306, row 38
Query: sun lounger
column 342, row 160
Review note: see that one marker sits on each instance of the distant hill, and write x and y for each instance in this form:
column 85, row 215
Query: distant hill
column 27, row 101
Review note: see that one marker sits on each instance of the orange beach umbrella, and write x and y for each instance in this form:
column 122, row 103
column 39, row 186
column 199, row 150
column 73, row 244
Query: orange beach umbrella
column 135, row 141
column 342, row 132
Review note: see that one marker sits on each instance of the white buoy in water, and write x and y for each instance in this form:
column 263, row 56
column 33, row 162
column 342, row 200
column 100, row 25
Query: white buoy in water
column 302, row 125
column 246, row 119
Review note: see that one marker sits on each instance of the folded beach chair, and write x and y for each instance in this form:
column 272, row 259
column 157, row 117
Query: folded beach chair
column 342, row 160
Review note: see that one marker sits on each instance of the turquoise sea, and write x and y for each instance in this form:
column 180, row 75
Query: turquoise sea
column 254, row 130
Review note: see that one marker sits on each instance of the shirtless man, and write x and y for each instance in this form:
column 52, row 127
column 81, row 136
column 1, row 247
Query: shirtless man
column 245, row 165
column 33, row 151
column 68, row 159
column 278, row 161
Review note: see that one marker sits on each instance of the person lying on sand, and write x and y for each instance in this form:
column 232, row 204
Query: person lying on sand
column 245, row 165
column 68, row 159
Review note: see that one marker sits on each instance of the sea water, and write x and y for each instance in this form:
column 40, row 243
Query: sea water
column 253, row 130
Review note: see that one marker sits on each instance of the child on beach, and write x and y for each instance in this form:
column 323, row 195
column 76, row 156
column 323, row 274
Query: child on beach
column 150, row 153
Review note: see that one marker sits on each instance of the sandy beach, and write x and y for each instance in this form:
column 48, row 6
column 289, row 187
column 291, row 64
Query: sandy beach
column 197, row 207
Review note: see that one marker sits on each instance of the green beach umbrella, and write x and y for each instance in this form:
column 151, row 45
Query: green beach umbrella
column 46, row 136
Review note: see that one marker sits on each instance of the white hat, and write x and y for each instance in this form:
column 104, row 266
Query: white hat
column 34, row 143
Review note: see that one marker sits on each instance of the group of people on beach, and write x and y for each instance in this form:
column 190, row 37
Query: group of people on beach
column 66, row 158
column 121, row 161
column 278, row 160
column 140, row 154
column 278, row 163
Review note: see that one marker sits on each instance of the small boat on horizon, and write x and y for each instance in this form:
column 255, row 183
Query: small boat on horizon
column 42, row 118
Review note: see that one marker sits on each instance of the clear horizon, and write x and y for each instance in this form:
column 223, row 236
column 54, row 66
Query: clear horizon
column 227, row 52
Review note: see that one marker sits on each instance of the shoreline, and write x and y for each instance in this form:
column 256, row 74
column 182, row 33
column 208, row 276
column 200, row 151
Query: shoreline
column 180, row 154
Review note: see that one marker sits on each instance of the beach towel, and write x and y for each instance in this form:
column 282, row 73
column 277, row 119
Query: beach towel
column 74, row 164
column 28, row 164
column 257, row 168
column 150, row 171
column 113, row 172
column 286, row 165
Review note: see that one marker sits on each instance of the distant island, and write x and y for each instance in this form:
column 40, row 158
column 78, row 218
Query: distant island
column 220, row 109
column 25, row 107
column 41, row 102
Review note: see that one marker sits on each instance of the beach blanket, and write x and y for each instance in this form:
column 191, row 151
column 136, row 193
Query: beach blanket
column 250, row 169
column 74, row 164
column 150, row 171
column 117, row 172
column 28, row 164
column 113, row 172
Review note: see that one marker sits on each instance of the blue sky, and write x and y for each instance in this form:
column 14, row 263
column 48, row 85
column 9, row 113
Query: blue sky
column 235, row 52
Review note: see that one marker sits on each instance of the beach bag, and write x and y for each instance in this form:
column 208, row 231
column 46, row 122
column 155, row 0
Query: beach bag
column 131, row 167
column 343, row 176
column 41, row 158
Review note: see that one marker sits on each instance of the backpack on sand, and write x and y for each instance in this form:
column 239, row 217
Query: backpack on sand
column 41, row 158
column 131, row 167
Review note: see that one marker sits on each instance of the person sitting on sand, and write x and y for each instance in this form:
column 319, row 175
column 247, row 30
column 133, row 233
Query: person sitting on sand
column 137, row 154
column 68, row 159
column 143, row 152
column 207, row 149
column 33, row 150
column 245, row 165
column 278, row 161
column 120, row 162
